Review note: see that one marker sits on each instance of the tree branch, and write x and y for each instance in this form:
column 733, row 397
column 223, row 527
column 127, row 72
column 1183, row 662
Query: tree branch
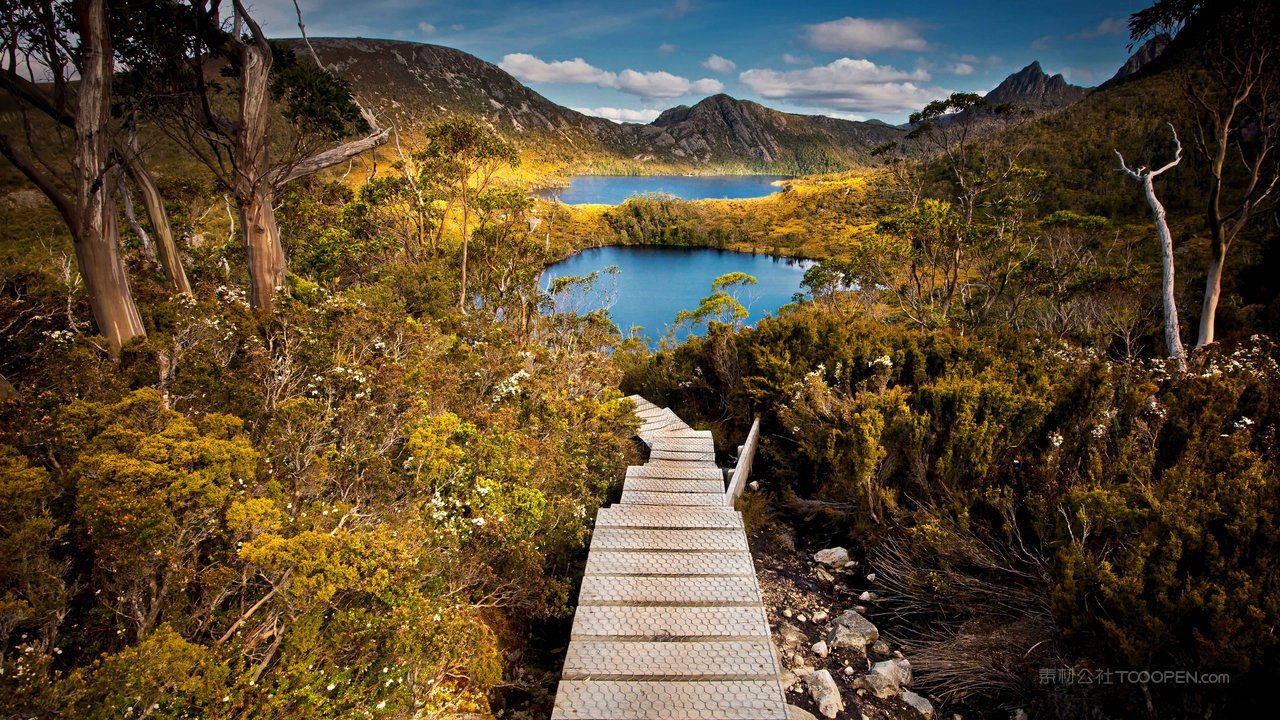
column 283, row 175
column 59, row 199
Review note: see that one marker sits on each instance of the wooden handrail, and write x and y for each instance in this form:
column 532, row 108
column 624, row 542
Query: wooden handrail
column 743, row 468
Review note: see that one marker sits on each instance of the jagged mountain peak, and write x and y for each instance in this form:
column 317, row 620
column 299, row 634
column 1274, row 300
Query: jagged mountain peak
column 1031, row 87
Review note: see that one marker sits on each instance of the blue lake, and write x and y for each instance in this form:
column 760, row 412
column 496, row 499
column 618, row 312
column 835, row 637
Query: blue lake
column 614, row 189
column 654, row 283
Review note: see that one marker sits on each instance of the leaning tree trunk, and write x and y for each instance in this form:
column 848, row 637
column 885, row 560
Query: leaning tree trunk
column 95, row 232
column 153, row 202
column 255, row 194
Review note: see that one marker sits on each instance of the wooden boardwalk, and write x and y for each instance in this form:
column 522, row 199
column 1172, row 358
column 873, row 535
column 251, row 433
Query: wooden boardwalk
column 669, row 621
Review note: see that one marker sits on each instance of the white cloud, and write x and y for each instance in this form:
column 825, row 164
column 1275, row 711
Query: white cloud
column 962, row 69
column 971, row 59
column 790, row 59
column 621, row 115
column 679, row 9
column 1042, row 42
column 1106, row 28
column 856, row 86
column 666, row 48
column 528, row 68
column 719, row 64
column 426, row 28
column 457, row 27
column 662, row 84
column 861, row 35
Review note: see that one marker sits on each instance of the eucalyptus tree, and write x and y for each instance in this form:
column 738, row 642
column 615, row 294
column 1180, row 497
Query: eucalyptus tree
column 462, row 157
column 1231, row 83
column 1146, row 176
column 264, row 82
column 58, row 63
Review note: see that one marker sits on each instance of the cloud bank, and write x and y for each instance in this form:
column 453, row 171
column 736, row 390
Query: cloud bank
column 653, row 84
column 621, row 115
column 858, row 86
column 861, row 35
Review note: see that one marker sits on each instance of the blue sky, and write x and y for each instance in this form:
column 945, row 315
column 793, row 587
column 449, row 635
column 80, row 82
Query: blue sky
column 857, row 60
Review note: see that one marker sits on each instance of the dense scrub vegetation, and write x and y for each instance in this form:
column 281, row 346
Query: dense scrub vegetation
column 358, row 504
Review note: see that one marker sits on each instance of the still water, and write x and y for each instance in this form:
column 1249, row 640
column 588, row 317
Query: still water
column 653, row 283
column 614, row 189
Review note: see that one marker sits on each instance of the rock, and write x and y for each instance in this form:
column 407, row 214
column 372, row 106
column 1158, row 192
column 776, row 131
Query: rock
column 753, row 485
column 824, row 576
column 832, row 557
column 881, row 647
column 867, row 596
column 820, row 649
column 886, row 678
column 871, row 577
column 786, row 612
column 798, row 713
column 791, row 636
column 921, row 705
column 851, row 564
column 820, row 616
column 1019, row 714
column 802, row 618
column 848, row 670
column 851, row 630
column 788, row 679
column 823, row 690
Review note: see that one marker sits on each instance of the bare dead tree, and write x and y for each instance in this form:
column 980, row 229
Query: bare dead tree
column 1172, row 333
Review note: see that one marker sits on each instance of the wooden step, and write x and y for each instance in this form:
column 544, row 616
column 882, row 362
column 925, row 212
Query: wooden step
column 656, row 562
column 647, row 699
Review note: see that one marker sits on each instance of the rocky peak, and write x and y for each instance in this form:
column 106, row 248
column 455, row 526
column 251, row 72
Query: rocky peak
column 1149, row 51
column 1032, row 88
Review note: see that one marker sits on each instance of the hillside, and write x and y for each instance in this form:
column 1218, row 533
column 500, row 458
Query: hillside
column 414, row 84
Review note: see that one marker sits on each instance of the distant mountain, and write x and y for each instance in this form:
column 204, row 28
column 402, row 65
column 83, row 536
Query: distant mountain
column 1034, row 89
column 1149, row 51
column 414, row 85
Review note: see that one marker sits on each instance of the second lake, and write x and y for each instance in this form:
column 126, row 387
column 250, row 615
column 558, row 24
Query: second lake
column 615, row 189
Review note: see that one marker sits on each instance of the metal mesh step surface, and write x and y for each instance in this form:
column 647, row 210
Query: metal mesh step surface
column 653, row 562
column 643, row 700
column 668, row 623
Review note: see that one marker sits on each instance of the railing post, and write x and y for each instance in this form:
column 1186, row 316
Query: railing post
column 743, row 468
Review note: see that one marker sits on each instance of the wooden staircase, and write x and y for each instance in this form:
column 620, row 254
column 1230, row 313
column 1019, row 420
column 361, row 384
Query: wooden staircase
column 669, row 621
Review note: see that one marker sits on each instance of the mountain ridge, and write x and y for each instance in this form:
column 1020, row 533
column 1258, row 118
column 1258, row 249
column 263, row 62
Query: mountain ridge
column 414, row 84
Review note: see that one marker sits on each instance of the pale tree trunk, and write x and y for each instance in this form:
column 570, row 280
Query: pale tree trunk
column 166, row 248
column 267, row 267
column 1212, row 291
column 131, row 217
column 254, row 194
column 1172, row 332
column 462, row 295
column 97, row 240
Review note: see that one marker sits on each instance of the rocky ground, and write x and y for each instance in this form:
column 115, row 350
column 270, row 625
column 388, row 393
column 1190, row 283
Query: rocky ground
column 822, row 610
